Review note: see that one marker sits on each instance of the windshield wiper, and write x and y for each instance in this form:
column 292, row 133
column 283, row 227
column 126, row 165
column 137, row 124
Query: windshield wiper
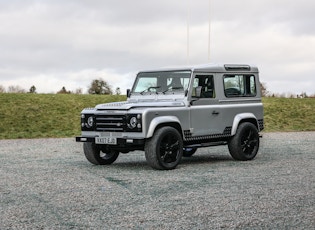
column 151, row 87
column 172, row 89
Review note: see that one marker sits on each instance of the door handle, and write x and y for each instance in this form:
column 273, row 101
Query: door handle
column 215, row 113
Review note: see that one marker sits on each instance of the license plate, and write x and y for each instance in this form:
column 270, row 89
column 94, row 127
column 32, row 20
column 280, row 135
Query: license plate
column 106, row 140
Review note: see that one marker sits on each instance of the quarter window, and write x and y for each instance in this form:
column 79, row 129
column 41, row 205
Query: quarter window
column 239, row 86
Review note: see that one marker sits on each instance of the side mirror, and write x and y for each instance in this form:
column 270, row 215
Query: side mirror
column 128, row 93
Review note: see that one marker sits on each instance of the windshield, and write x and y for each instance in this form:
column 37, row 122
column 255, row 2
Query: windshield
column 162, row 82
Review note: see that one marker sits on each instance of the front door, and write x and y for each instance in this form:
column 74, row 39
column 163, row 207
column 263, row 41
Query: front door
column 206, row 117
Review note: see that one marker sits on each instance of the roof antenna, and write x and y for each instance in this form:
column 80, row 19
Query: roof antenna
column 209, row 31
column 188, row 19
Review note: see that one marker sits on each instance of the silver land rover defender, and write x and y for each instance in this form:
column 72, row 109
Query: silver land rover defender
column 172, row 112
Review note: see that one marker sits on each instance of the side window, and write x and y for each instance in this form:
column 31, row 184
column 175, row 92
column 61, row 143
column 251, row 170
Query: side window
column 252, row 85
column 195, row 84
column 239, row 86
column 205, row 84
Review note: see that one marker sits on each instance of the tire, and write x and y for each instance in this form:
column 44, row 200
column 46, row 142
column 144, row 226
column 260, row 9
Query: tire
column 94, row 155
column 165, row 149
column 188, row 152
column 244, row 144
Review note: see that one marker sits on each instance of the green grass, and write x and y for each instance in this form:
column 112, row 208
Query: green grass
column 58, row 115
column 289, row 114
column 45, row 115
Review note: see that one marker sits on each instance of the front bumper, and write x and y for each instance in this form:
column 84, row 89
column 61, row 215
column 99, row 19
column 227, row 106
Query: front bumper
column 120, row 141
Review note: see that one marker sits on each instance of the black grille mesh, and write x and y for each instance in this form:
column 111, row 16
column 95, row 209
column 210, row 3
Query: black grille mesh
column 111, row 123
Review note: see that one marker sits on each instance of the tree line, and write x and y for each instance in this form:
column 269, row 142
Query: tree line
column 97, row 86
column 101, row 87
column 266, row 93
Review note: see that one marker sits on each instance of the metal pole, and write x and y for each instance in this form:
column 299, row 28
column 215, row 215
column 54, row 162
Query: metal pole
column 209, row 31
column 188, row 19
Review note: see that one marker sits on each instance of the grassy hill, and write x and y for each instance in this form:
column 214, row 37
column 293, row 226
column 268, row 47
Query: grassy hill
column 45, row 115
column 289, row 114
column 58, row 115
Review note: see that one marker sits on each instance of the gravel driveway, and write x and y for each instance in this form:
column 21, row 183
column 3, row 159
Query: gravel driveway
column 48, row 184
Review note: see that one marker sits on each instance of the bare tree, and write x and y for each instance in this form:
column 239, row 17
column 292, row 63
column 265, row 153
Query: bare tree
column 15, row 89
column 100, row 86
column 78, row 91
column 63, row 91
column 264, row 91
column 304, row 95
column 117, row 91
column 2, row 89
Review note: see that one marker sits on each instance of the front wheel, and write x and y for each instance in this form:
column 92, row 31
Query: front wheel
column 94, row 155
column 188, row 152
column 165, row 149
column 244, row 144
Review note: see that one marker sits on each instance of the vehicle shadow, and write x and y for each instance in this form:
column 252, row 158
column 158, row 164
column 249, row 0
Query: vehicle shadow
column 197, row 159
column 204, row 158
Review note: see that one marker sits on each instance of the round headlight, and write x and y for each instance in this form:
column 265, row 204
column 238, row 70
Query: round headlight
column 133, row 122
column 90, row 122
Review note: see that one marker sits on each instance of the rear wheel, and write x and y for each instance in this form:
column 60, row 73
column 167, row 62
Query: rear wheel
column 165, row 149
column 94, row 155
column 244, row 144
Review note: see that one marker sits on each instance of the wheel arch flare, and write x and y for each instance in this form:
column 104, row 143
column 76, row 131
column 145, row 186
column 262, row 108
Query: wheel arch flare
column 243, row 117
column 163, row 121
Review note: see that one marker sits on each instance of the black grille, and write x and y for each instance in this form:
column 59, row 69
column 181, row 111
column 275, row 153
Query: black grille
column 111, row 123
column 187, row 133
column 227, row 131
column 261, row 124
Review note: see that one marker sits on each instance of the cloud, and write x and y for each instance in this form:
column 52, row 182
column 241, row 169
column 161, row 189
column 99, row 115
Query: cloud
column 68, row 43
column 53, row 82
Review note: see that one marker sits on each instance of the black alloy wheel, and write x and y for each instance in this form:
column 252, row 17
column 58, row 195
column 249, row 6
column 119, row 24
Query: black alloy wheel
column 165, row 149
column 94, row 154
column 244, row 144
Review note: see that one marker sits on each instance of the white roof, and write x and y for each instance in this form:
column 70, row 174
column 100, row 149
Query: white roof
column 211, row 67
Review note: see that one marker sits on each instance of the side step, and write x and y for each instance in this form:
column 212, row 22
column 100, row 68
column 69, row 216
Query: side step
column 203, row 145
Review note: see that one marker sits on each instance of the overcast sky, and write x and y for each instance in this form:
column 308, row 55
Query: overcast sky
column 56, row 43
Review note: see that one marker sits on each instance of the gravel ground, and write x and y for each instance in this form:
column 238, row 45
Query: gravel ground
column 48, row 184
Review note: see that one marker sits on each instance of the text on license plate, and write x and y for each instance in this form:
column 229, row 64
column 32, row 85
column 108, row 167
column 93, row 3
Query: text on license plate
column 106, row 140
